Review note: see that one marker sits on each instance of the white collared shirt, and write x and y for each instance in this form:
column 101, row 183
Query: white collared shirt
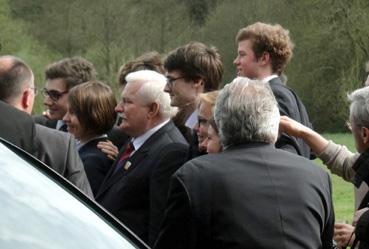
column 140, row 140
column 59, row 124
column 192, row 120
column 267, row 79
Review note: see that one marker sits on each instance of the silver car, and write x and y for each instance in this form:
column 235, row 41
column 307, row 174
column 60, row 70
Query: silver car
column 39, row 209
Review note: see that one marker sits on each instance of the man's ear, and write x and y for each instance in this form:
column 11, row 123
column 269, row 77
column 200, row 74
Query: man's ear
column 199, row 84
column 154, row 109
column 264, row 58
column 365, row 135
column 26, row 99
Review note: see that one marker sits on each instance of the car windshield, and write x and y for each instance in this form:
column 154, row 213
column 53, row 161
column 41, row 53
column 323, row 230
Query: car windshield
column 35, row 212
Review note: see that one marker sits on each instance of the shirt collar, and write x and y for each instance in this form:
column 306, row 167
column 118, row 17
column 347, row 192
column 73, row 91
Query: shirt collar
column 192, row 120
column 59, row 124
column 269, row 78
column 140, row 140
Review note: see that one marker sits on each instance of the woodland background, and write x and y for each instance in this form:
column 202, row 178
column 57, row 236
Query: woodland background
column 331, row 39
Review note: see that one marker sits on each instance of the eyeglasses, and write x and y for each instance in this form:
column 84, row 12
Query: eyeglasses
column 35, row 90
column 53, row 94
column 170, row 81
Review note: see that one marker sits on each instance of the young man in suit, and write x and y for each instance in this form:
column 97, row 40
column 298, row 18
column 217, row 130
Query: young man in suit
column 56, row 149
column 135, row 189
column 61, row 76
column 251, row 195
column 191, row 69
column 263, row 52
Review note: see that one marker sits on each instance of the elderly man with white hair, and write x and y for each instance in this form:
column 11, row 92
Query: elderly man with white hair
column 251, row 195
column 135, row 189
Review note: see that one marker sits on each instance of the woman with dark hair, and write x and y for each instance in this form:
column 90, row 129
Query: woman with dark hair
column 89, row 117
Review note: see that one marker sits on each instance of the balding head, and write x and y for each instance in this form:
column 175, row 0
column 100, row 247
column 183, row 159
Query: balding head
column 15, row 78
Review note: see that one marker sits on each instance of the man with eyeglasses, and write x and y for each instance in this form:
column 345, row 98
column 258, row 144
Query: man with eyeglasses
column 191, row 69
column 60, row 77
column 54, row 148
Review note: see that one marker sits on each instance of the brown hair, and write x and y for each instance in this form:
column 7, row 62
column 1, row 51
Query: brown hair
column 93, row 103
column 197, row 61
column 148, row 61
column 73, row 71
column 273, row 39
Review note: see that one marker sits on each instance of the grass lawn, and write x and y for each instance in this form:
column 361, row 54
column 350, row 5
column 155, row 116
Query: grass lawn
column 343, row 192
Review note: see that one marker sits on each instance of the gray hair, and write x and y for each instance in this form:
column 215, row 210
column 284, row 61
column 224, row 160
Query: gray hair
column 246, row 111
column 152, row 90
column 359, row 108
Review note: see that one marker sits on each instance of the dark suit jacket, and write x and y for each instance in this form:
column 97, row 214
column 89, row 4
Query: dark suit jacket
column 17, row 127
column 42, row 120
column 137, row 196
column 96, row 163
column 249, row 196
column 290, row 105
column 58, row 150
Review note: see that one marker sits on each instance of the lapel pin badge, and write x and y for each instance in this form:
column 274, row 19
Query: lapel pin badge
column 127, row 165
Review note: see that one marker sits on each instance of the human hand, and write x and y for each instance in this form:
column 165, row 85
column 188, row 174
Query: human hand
column 344, row 234
column 109, row 149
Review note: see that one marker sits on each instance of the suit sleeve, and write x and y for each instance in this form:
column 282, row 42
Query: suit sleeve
column 172, row 158
column 75, row 171
column 362, row 228
column 327, row 235
column 286, row 102
column 177, row 230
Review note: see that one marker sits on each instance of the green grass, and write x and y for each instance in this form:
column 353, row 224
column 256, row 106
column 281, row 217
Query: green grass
column 343, row 192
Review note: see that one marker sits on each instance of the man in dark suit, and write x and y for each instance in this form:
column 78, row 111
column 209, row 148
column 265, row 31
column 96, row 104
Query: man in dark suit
column 263, row 52
column 56, row 149
column 251, row 195
column 136, row 187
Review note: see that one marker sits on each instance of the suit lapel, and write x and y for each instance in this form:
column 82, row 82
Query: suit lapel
column 135, row 160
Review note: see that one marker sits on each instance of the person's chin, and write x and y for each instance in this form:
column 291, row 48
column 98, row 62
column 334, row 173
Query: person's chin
column 173, row 103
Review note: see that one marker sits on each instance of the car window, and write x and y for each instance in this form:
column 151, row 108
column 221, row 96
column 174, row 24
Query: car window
column 35, row 212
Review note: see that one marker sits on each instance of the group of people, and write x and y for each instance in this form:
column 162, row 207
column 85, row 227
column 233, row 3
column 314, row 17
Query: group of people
column 185, row 164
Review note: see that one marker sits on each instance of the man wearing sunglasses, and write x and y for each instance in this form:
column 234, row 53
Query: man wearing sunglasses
column 60, row 77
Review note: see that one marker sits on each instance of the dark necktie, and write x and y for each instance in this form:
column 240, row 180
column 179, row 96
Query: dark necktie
column 123, row 159
column 63, row 128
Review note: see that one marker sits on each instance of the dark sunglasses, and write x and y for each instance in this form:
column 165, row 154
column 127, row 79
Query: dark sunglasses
column 53, row 94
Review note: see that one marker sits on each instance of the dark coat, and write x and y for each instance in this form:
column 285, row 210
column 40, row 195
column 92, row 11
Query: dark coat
column 137, row 195
column 95, row 162
column 290, row 105
column 249, row 196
